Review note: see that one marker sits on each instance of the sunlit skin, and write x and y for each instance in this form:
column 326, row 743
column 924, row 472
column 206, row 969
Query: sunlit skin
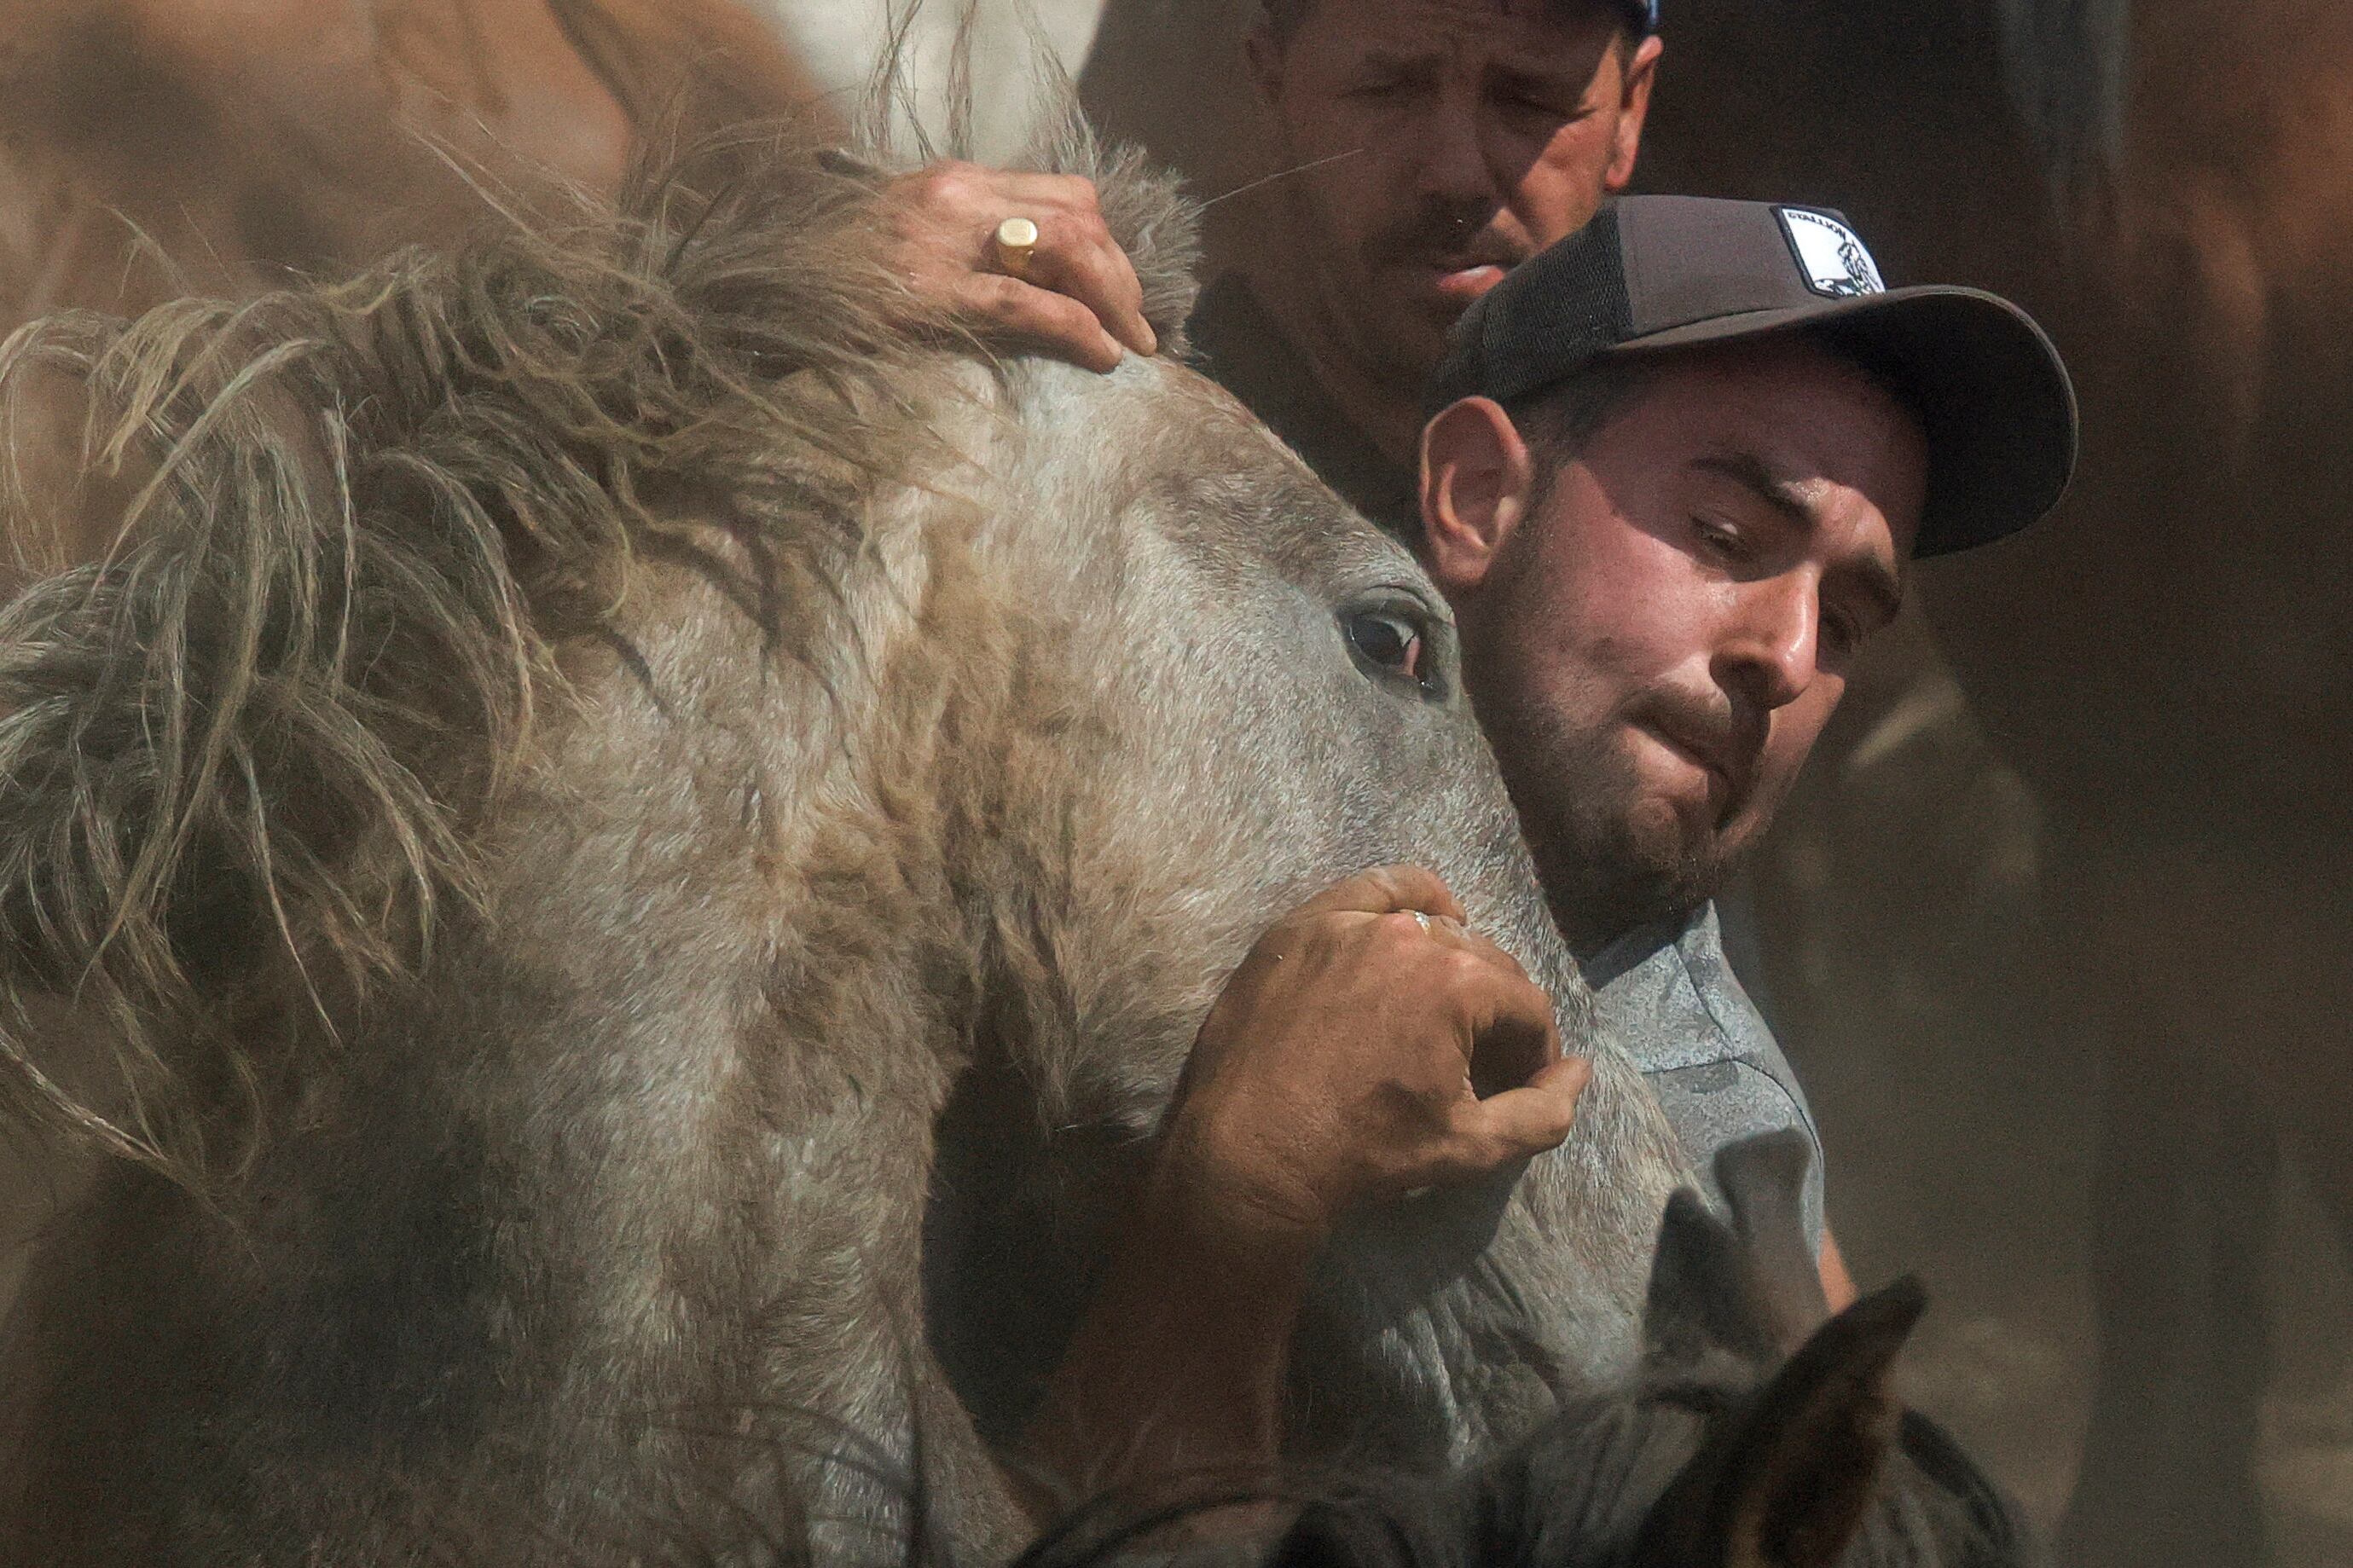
column 1441, row 142
column 1655, row 640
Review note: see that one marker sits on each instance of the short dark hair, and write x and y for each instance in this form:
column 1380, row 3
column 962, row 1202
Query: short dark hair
column 1556, row 420
column 1284, row 19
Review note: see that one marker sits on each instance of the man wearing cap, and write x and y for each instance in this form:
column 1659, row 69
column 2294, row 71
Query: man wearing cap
column 1675, row 470
column 1671, row 472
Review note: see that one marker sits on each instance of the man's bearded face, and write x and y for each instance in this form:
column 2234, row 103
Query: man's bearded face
column 1441, row 143
column 1663, row 637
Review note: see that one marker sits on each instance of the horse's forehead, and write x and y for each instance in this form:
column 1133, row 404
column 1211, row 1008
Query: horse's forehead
column 1157, row 432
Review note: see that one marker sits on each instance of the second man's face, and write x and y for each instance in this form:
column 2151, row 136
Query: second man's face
column 1441, row 143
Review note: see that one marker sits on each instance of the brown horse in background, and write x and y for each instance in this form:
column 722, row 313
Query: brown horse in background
column 2168, row 185
column 2169, row 661
column 151, row 150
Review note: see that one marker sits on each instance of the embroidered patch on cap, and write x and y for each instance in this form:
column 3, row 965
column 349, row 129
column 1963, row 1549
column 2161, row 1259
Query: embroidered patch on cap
column 1829, row 255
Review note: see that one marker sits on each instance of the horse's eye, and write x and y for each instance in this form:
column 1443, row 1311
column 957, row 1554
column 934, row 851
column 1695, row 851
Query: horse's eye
column 1389, row 641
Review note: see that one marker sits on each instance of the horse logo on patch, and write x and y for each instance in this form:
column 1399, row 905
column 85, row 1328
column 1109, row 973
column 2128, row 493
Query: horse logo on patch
column 1831, row 254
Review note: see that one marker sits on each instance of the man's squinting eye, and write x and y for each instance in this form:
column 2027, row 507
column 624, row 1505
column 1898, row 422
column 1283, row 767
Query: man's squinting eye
column 1531, row 106
column 1724, row 542
column 1389, row 641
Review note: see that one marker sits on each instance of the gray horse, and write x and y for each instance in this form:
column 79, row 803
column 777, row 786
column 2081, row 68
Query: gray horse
column 579, row 748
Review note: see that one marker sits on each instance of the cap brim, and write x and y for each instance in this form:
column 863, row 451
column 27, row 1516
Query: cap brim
column 1990, row 391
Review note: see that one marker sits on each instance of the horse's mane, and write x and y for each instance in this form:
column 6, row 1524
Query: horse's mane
column 2065, row 62
column 243, row 756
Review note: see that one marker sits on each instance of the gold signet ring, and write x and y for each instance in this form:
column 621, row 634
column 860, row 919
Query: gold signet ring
column 1016, row 242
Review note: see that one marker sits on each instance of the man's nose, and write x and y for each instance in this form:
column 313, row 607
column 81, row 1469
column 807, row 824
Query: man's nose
column 1453, row 161
column 1768, row 654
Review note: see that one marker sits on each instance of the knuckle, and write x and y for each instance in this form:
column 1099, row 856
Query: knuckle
column 1503, row 960
column 1073, row 245
column 1000, row 296
column 1475, row 1153
column 1461, row 970
column 1077, row 192
column 1065, row 316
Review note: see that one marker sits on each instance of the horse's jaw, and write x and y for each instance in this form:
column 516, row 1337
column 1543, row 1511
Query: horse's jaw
column 1461, row 1318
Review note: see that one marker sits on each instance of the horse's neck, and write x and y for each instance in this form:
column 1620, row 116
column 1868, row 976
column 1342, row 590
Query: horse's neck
column 1468, row 1315
column 691, row 1048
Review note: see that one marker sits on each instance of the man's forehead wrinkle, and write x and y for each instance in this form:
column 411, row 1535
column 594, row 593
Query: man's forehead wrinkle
column 1527, row 28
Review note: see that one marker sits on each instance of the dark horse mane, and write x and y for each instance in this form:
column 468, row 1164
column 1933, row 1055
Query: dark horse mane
column 365, row 520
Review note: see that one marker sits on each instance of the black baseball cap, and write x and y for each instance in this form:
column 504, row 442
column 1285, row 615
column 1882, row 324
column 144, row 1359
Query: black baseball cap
column 1651, row 273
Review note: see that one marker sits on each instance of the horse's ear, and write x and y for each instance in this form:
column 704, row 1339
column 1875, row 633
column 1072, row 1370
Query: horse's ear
column 1703, row 1296
column 1787, row 1485
column 1764, row 1180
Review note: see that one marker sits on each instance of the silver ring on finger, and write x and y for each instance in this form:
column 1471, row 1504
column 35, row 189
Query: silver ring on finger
column 1015, row 242
column 1422, row 918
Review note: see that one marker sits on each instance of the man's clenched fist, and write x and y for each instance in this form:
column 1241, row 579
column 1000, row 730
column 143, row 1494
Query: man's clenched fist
column 1361, row 1051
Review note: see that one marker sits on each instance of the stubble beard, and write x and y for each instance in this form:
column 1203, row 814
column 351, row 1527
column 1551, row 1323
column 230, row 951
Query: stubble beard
column 1611, row 858
column 1358, row 300
column 1611, row 855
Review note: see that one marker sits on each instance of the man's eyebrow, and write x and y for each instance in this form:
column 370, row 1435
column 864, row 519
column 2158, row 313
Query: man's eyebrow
column 1534, row 78
column 1745, row 469
column 1749, row 472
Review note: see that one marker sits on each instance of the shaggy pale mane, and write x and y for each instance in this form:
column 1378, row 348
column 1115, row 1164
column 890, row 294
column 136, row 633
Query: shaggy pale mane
column 243, row 756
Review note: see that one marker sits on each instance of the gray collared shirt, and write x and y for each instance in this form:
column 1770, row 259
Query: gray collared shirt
column 1674, row 1005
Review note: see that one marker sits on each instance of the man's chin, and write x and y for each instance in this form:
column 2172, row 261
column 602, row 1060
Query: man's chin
column 1419, row 306
column 1641, row 880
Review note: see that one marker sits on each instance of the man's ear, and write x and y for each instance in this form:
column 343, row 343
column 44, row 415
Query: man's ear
column 1477, row 480
column 1634, row 109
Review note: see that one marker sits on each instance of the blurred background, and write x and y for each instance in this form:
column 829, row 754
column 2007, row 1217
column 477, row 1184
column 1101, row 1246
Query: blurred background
column 2056, row 928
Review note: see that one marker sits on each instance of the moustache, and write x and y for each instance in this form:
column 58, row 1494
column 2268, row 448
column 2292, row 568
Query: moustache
column 1447, row 239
